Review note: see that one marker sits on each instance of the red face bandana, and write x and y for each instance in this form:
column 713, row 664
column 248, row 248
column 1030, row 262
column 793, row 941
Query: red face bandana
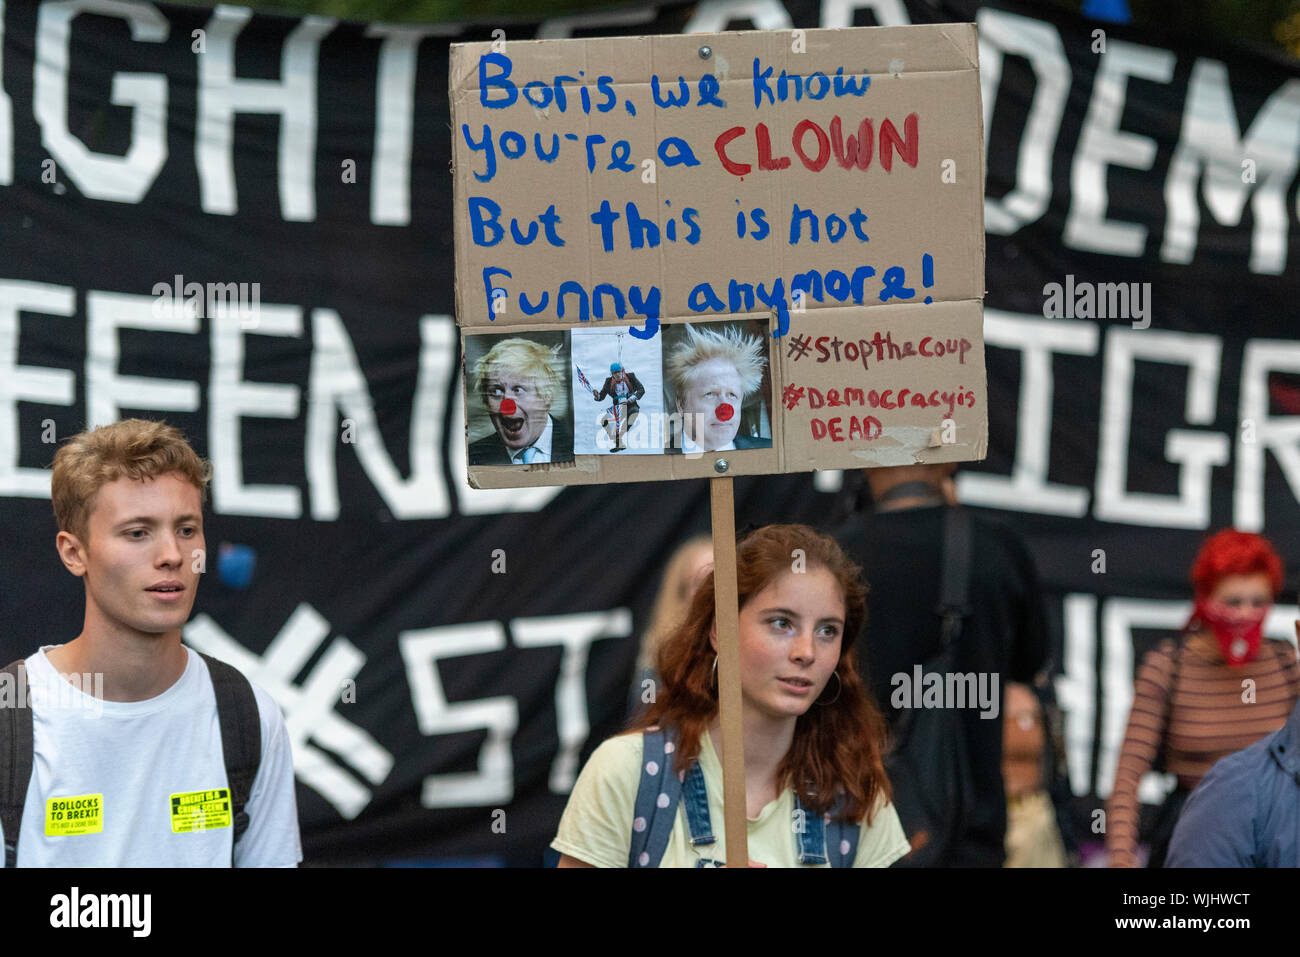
column 1238, row 640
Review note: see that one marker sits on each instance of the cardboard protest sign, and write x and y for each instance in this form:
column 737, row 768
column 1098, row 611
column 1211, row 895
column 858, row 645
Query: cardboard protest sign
column 787, row 226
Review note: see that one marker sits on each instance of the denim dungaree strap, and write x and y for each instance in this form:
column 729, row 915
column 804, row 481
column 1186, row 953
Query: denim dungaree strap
column 661, row 788
column 696, row 796
column 810, row 838
column 826, row 837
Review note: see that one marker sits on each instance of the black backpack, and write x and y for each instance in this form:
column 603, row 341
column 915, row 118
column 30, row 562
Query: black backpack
column 241, row 745
column 928, row 766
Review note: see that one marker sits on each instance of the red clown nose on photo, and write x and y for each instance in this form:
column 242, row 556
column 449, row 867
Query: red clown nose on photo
column 507, row 406
column 725, row 412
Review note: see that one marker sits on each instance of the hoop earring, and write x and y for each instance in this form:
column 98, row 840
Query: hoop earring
column 714, row 683
column 839, row 687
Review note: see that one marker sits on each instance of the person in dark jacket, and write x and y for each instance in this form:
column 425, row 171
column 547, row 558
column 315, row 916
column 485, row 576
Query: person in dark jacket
column 900, row 545
column 1245, row 812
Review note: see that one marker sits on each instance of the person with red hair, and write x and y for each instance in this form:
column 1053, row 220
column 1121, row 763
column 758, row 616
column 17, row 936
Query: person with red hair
column 1219, row 689
column 815, row 784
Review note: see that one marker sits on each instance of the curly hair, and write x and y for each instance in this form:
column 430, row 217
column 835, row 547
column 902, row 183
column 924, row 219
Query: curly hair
column 838, row 746
column 133, row 448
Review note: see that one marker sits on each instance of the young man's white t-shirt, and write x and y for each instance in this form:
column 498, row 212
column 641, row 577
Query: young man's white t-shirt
column 141, row 768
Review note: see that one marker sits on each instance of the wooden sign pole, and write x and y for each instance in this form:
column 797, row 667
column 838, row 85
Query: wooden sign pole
column 726, row 612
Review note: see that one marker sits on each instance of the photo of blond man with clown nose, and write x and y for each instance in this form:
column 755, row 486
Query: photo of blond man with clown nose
column 716, row 384
column 521, row 384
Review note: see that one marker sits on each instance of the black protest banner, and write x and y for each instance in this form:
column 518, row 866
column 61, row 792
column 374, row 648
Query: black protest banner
column 243, row 223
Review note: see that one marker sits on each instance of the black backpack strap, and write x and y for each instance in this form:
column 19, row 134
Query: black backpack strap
column 241, row 737
column 17, row 741
column 954, row 600
column 954, row 586
column 933, row 789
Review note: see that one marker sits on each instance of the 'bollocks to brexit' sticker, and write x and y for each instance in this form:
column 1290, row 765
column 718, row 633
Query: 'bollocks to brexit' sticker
column 75, row 814
column 200, row 810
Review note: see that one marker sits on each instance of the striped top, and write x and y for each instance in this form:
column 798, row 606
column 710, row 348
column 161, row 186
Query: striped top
column 1212, row 716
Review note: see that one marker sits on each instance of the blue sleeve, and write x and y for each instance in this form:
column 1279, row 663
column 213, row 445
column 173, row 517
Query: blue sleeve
column 1217, row 826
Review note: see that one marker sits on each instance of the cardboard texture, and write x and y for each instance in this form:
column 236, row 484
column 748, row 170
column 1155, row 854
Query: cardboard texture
column 827, row 182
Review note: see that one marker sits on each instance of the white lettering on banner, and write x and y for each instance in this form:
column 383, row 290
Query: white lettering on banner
column 714, row 16
column 1027, row 488
column 1076, row 689
column 309, row 712
column 231, row 399
column 839, row 13
column 28, row 383
column 1209, row 150
column 1278, row 433
column 1210, row 143
column 221, row 95
column 1040, row 44
column 575, row 633
column 494, row 781
column 6, row 121
column 126, row 178
column 390, row 176
column 336, row 381
column 1195, row 452
column 1102, row 143
column 107, row 392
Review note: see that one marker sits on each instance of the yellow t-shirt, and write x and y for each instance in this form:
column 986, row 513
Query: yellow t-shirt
column 597, row 824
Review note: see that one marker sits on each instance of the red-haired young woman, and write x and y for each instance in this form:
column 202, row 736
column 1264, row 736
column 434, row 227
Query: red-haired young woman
column 1218, row 690
column 816, row 791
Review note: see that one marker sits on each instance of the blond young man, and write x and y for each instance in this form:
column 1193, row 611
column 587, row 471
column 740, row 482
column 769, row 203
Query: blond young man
column 518, row 380
column 140, row 751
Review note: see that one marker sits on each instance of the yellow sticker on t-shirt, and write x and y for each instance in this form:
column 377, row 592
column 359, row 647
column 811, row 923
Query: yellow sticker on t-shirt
column 76, row 814
column 200, row 810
